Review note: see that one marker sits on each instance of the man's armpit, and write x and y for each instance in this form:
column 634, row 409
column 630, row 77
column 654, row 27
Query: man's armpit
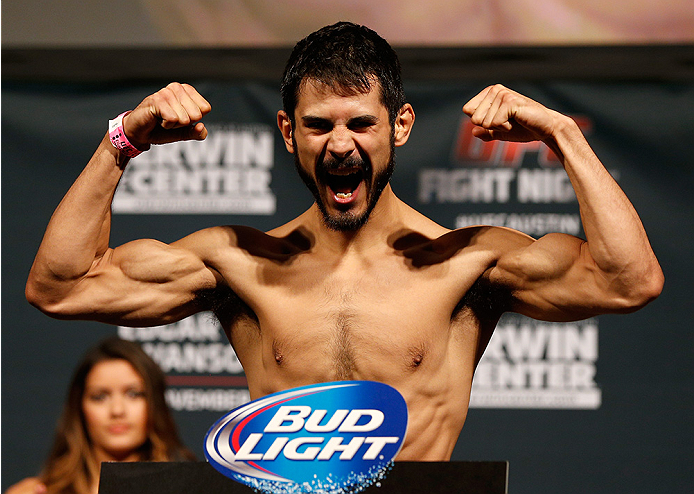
column 486, row 299
column 224, row 303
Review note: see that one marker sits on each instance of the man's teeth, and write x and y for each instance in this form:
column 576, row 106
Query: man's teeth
column 344, row 195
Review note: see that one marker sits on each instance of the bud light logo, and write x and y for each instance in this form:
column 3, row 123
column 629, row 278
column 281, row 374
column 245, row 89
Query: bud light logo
column 329, row 438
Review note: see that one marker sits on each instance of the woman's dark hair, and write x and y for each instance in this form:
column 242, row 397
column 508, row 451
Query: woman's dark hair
column 348, row 58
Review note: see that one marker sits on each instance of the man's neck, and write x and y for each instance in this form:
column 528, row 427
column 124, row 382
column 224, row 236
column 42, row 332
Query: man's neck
column 384, row 220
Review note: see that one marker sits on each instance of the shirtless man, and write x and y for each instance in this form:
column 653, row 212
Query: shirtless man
column 331, row 296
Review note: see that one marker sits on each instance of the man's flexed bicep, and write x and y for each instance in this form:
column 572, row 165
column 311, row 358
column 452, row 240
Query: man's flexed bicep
column 143, row 282
column 559, row 276
column 555, row 278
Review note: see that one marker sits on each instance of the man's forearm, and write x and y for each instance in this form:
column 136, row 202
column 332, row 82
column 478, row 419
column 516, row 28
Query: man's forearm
column 79, row 230
column 617, row 241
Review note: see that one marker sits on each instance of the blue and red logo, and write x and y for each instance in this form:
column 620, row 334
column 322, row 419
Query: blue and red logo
column 328, row 438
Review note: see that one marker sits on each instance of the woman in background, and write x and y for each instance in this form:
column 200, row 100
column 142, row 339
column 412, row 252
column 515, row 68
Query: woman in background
column 115, row 411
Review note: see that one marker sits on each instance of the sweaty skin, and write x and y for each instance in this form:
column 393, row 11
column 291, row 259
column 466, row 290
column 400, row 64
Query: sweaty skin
column 400, row 300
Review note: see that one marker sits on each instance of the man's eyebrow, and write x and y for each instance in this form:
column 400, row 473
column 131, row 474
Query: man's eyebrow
column 363, row 119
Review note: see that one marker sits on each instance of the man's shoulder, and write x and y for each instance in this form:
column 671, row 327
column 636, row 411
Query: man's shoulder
column 487, row 245
column 287, row 240
column 495, row 238
column 488, row 235
column 230, row 235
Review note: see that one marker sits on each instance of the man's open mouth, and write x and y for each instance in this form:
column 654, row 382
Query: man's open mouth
column 344, row 183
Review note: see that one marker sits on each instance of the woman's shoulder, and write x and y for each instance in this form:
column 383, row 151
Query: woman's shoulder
column 30, row 485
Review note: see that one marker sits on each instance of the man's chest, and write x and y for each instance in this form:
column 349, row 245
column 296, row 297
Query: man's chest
column 356, row 296
column 352, row 322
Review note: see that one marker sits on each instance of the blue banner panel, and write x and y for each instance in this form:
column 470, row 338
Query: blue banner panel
column 601, row 406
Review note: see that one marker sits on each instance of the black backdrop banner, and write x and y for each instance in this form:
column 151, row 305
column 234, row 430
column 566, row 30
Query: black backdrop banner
column 600, row 406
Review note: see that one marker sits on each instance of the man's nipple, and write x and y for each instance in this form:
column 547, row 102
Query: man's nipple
column 279, row 357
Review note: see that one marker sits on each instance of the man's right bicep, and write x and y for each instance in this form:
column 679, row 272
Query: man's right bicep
column 144, row 282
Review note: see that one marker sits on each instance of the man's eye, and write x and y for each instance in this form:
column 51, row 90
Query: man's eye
column 360, row 125
column 318, row 125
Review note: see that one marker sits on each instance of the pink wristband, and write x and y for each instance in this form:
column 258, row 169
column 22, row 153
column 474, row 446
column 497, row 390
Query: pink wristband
column 117, row 135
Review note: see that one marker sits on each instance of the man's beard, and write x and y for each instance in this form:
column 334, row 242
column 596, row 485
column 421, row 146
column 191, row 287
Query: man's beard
column 347, row 221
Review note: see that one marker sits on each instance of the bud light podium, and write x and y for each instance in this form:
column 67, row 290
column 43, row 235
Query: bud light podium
column 469, row 477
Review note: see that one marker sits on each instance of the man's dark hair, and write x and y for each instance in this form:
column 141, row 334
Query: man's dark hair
column 346, row 57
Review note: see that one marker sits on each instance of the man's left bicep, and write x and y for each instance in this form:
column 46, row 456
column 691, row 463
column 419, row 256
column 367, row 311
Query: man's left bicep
column 554, row 278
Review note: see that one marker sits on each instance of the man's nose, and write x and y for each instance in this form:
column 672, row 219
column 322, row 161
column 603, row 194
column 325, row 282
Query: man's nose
column 340, row 145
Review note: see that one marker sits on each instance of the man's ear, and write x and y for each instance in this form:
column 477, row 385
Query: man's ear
column 403, row 124
column 285, row 125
